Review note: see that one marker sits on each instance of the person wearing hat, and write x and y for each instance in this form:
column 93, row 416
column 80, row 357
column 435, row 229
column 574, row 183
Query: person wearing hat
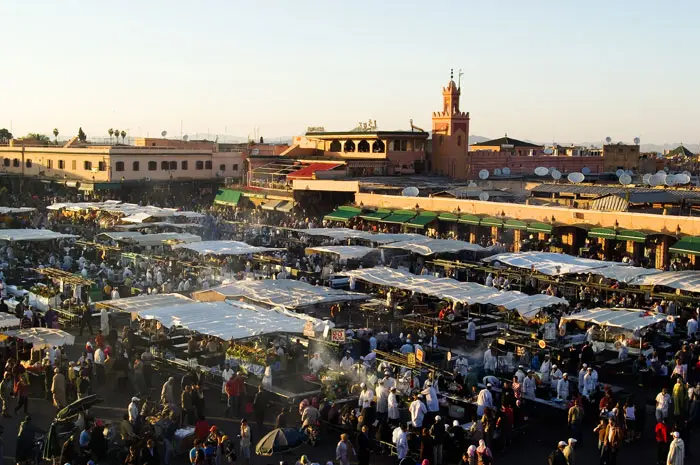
column 393, row 406
column 366, row 396
column 346, row 362
column 557, row 457
column 581, row 374
column 520, row 374
column 676, row 452
column 554, row 376
column 589, row 383
column 389, row 381
column 58, row 389
column 563, row 387
column 382, row 396
column 431, row 397
column 417, row 409
column 569, row 451
column 133, row 410
column 545, row 369
column 530, row 385
column 484, row 400
column 245, row 442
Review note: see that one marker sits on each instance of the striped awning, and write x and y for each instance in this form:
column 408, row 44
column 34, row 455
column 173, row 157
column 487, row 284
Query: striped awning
column 605, row 233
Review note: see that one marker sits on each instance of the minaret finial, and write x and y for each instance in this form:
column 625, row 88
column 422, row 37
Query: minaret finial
column 452, row 74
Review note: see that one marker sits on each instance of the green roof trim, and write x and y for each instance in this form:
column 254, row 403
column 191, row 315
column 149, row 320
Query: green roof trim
column 605, row 233
column 341, row 215
column 539, row 228
column 422, row 220
column 515, row 224
column 398, row 217
column 470, row 219
column 688, row 245
column 376, row 216
column 631, row 235
column 491, row 221
column 350, row 208
column 227, row 197
column 448, row 217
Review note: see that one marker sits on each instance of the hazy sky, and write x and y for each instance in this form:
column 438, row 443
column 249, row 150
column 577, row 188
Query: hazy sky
column 541, row 70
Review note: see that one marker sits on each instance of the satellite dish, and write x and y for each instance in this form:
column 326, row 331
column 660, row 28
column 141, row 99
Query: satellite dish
column 556, row 175
column 619, row 172
column 506, row 171
column 484, row 174
column 586, row 170
column 636, row 140
column 541, row 171
column 576, row 178
column 656, row 180
column 255, row 151
column 471, row 184
column 164, row 133
column 410, row 192
column 682, row 178
column 548, row 151
column 484, row 196
column 497, row 172
column 670, row 180
column 625, row 179
column 646, row 178
column 687, row 173
column 608, row 140
column 661, row 172
column 185, row 137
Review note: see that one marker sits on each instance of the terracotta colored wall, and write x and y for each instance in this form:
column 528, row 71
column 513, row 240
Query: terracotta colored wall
column 479, row 160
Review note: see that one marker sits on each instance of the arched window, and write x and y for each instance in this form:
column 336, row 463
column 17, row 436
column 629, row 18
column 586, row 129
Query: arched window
column 173, row 165
column 335, row 146
column 363, row 146
column 459, row 141
column 378, row 146
column 164, row 166
column 183, row 165
column 349, row 146
column 28, row 162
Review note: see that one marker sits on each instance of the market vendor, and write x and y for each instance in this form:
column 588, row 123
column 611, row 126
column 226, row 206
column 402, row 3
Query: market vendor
column 316, row 363
column 346, row 362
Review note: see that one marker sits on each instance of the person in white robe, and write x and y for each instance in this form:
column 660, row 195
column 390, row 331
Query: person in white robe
column 366, row 397
column 489, row 362
column 402, row 444
column 554, row 376
column 471, row 331
column 267, row 378
column 520, row 374
column 431, row 397
column 382, row 396
column 226, row 374
column 462, row 366
column 581, row 374
column 483, row 400
column 346, row 362
column 563, row 387
column 418, row 411
column 529, row 385
column 393, row 405
column 676, row 452
column 315, row 364
column 104, row 321
column 545, row 369
column 588, row 383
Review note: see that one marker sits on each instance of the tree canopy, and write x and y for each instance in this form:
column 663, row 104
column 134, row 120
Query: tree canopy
column 5, row 135
column 81, row 135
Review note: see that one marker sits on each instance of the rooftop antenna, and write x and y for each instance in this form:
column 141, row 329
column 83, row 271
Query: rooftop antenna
column 459, row 78
column 452, row 74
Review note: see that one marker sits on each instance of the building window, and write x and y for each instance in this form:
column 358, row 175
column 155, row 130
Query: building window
column 49, row 164
column 183, row 165
column 222, row 167
column 442, row 139
column 135, row 166
column 152, row 166
column 400, row 145
column 349, row 146
column 234, row 167
column 378, row 146
column 164, row 166
column 199, row 165
column 87, row 165
column 15, row 162
column 459, row 141
column 119, row 166
column 335, row 146
column 363, row 146
column 74, row 165
column 28, row 162
column 173, row 165
column 102, row 166
column 207, row 165
column 6, row 162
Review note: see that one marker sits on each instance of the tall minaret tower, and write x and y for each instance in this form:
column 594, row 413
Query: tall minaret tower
column 450, row 133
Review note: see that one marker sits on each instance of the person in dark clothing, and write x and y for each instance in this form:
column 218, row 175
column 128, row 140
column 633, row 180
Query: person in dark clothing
column 281, row 421
column 25, row 439
column 259, row 406
column 557, row 457
column 333, row 414
column 508, row 396
column 426, row 445
column 364, row 446
column 98, row 442
column 3, row 306
column 149, row 454
column 437, row 431
column 85, row 320
column 68, row 450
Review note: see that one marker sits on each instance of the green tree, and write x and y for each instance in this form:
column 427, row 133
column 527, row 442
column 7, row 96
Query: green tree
column 37, row 137
column 123, row 133
column 116, row 134
column 82, row 137
column 110, row 131
column 5, row 136
column 55, row 135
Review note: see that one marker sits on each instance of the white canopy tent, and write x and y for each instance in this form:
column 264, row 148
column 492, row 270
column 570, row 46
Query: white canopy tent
column 623, row 318
column 144, row 302
column 151, row 239
column 15, row 210
column 344, row 252
column 8, row 321
column 343, row 234
column 231, row 320
column 625, row 273
column 428, row 246
column 450, row 289
column 42, row 337
column 224, row 248
column 551, row 264
column 21, row 235
column 132, row 212
column 155, row 224
column 286, row 293
column 683, row 280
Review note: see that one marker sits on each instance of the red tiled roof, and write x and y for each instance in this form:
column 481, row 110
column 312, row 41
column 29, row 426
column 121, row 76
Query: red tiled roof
column 308, row 171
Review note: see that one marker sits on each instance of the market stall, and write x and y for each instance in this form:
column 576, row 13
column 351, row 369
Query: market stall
column 224, row 248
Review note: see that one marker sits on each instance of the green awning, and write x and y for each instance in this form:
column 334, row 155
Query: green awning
column 631, row 235
column 375, row 216
column 423, row 219
column 515, row 224
column 399, row 217
column 605, row 233
column 688, row 245
column 227, row 197
column 341, row 215
column 491, row 221
column 469, row 219
column 540, row 228
column 448, row 217
column 350, row 208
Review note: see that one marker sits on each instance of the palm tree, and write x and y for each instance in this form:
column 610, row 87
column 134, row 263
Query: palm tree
column 110, row 131
column 55, row 134
column 116, row 134
column 123, row 135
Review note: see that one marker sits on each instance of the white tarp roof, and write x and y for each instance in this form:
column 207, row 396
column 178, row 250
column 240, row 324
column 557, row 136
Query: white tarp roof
column 129, row 210
column 625, row 273
column 625, row 318
column 42, row 337
column 683, row 280
column 231, row 320
column 287, row 293
column 224, row 248
column 342, row 234
column 137, row 218
column 135, row 237
column 145, row 302
column 344, row 252
column 549, row 263
column 10, row 210
column 8, row 321
column 162, row 224
column 457, row 291
column 19, row 235
column 428, row 246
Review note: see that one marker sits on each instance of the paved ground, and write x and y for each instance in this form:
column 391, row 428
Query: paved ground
column 531, row 448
